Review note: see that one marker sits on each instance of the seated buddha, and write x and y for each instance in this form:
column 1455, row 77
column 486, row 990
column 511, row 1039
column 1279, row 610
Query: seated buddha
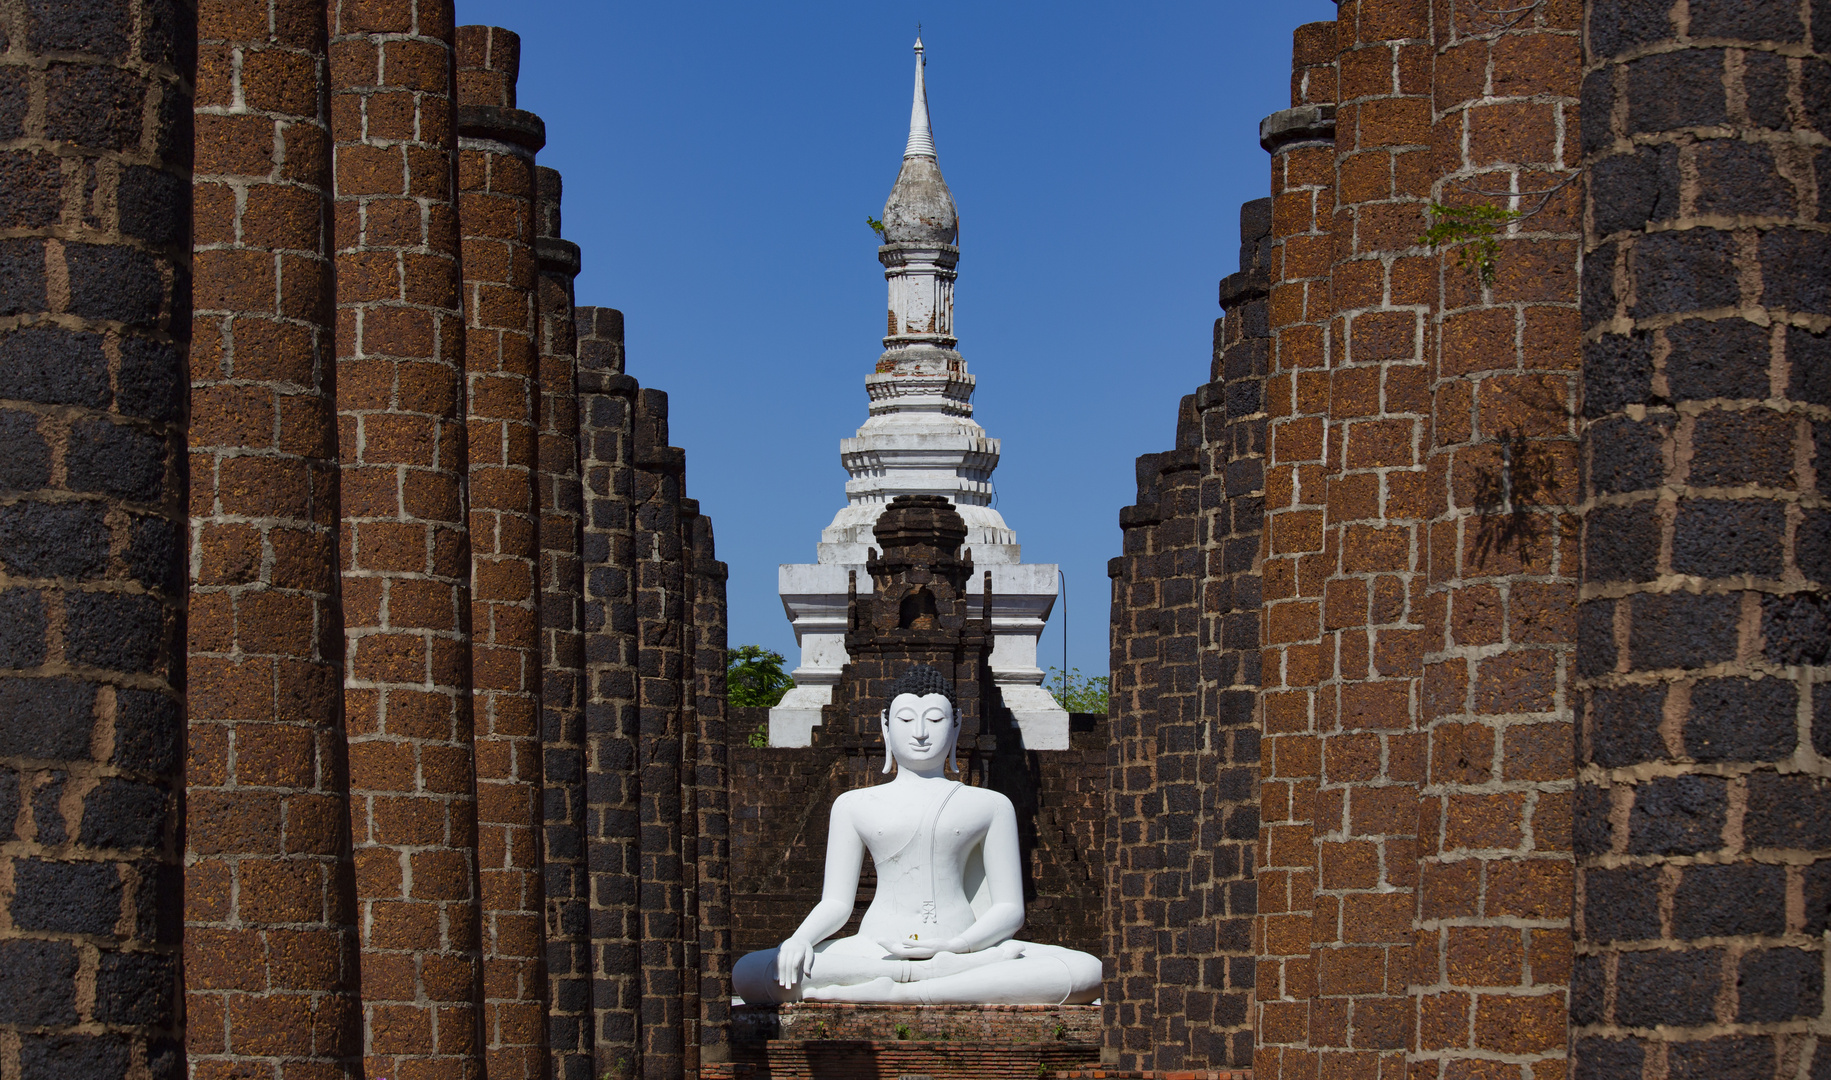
column 941, row 927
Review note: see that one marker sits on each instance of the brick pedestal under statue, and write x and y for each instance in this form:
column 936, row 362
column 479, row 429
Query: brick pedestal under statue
column 846, row 1041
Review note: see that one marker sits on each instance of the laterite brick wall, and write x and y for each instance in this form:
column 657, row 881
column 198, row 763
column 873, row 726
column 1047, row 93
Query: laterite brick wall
column 654, row 729
column 1180, row 891
column 94, row 312
column 496, row 217
column 270, row 929
column 562, row 727
column 1703, row 810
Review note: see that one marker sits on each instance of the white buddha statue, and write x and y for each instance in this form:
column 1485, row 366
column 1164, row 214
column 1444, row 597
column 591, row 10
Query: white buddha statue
column 949, row 887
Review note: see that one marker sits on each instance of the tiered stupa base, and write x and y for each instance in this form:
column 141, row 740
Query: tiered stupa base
column 837, row 1041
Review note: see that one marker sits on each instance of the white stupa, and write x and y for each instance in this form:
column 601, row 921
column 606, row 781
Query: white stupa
column 920, row 439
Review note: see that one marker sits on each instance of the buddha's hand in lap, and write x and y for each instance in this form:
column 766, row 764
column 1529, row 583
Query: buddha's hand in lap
column 911, row 949
column 794, row 961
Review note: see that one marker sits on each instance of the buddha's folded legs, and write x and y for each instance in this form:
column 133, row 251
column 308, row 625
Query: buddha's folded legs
column 1013, row 973
column 1044, row 975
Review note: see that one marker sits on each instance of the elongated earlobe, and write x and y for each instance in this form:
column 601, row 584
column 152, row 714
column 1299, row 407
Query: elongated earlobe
column 953, row 756
column 883, row 728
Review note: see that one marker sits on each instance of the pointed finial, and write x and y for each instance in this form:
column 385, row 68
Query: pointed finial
column 921, row 138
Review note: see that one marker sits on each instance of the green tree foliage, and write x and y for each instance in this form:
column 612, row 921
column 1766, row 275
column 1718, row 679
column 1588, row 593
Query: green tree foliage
column 1076, row 692
column 754, row 676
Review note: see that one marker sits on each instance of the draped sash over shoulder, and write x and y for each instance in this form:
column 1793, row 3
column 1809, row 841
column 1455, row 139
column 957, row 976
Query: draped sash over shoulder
column 911, row 877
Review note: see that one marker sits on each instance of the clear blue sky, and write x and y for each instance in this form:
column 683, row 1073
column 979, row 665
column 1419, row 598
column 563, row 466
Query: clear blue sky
column 720, row 160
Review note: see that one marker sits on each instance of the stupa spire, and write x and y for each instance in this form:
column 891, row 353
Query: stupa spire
column 921, row 136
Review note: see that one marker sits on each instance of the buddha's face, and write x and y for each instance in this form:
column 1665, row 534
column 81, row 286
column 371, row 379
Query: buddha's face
column 920, row 731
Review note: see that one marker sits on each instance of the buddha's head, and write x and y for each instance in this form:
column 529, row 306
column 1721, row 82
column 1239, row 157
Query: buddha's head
column 920, row 723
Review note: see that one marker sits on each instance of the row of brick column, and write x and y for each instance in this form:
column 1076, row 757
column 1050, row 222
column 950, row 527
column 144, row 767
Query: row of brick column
column 1541, row 784
column 656, row 848
column 357, row 662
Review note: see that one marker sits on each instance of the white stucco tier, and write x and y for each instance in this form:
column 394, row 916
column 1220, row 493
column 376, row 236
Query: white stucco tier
column 919, row 439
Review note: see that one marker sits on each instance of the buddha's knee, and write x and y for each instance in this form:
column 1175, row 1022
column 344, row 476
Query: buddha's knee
column 753, row 978
column 1084, row 974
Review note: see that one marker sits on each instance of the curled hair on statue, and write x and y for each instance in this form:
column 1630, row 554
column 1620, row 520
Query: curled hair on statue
column 920, row 681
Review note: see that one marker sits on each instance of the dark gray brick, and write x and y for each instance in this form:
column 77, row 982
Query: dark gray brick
column 1621, row 543
column 53, row 366
column 63, row 712
column 37, row 983
column 1742, row 720
column 1629, row 190
column 66, row 897
column 1681, row 630
column 1626, row 725
column 1727, row 901
column 111, row 281
column 1742, row 1057
column 1792, row 811
column 1677, row 272
column 1668, row 91
column 1776, row 985
column 117, row 631
column 1725, row 358
column 1675, row 988
column 135, row 988
column 1796, row 271
column 1621, row 904
column 1677, row 815
column 1625, row 455
column 22, row 629
column 54, row 540
column 25, row 458
column 95, row 107
column 115, row 459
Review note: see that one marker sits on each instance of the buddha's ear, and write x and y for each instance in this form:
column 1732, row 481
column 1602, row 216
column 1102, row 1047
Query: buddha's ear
column 883, row 728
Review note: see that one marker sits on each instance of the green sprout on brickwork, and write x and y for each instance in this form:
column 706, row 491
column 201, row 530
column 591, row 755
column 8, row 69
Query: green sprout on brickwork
column 876, row 227
column 903, row 1031
column 1471, row 229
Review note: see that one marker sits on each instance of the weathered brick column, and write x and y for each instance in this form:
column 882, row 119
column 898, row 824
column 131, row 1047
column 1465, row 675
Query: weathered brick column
column 1152, row 712
column 271, row 979
column 709, row 940
column 1301, row 141
column 607, row 462
column 1493, row 920
column 1231, row 411
column 405, row 543
column 661, row 715
column 501, row 368
column 94, row 316
column 1703, row 807
column 1368, row 702
column 563, row 868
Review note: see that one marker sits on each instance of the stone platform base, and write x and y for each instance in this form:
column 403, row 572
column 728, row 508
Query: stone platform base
column 834, row 1041
column 1100, row 1072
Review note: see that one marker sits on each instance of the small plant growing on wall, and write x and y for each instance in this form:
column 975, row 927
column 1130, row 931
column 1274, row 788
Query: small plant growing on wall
column 1472, row 231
